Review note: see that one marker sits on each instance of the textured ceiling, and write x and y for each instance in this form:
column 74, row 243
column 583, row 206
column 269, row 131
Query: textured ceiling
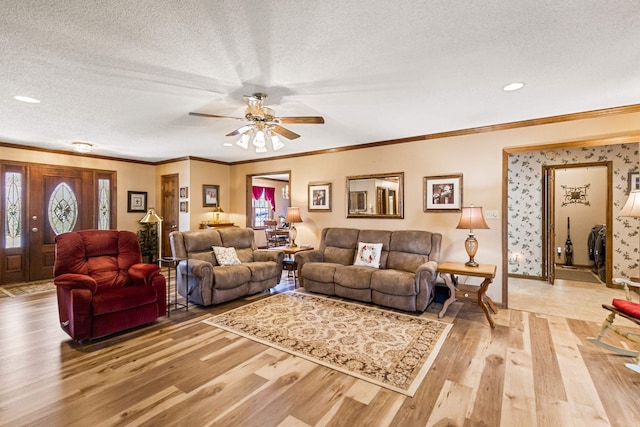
column 123, row 75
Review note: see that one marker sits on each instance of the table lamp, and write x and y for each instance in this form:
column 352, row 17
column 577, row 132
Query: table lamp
column 470, row 218
column 150, row 218
column 217, row 210
column 293, row 216
column 632, row 207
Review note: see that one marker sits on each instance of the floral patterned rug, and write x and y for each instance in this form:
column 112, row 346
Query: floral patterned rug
column 19, row 289
column 387, row 348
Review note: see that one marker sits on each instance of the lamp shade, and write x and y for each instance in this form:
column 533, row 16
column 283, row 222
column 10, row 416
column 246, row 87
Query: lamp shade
column 472, row 218
column 632, row 207
column 293, row 215
column 151, row 217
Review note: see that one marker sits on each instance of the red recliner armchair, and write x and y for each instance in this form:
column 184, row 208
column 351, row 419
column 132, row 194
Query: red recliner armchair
column 102, row 285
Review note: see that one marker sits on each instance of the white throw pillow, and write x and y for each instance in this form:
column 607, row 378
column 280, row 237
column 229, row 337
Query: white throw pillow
column 368, row 254
column 226, row 256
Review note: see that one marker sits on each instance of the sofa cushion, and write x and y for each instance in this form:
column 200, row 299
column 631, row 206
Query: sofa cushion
column 320, row 271
column 230, row 276
column 351, row 276
column 368, row 254
column 394, row 282
column 226, row 256
column 339, row 245
column 405, row 261
column 262, row 270
column 200, row 241
column 112, row 300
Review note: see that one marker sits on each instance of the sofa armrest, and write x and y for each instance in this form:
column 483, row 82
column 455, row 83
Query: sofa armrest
column 267, row 255
column 315, row 255
column 196, row 268
column 428, row 270
column 76, row 281
column 426, row 275
column 143, row 274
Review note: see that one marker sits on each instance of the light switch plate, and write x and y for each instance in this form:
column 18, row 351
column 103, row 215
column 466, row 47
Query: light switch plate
column 491, row 214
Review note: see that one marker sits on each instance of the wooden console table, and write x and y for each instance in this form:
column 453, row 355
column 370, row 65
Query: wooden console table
column 448, row 270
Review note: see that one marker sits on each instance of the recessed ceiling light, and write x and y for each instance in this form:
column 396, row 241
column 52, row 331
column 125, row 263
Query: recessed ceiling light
column 27, row 99
column 513, row 86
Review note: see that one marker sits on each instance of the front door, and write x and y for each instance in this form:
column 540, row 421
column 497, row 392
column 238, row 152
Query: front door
column 38, row 202
column 59, row 201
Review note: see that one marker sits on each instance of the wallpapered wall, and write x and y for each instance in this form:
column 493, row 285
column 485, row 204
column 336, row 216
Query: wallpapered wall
column 525, row 205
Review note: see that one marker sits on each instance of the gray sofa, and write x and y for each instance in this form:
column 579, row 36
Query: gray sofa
column 210, row 283
column 406, row 277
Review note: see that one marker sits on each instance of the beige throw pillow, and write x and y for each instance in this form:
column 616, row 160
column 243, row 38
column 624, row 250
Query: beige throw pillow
column 226, row 256
column 368, row 254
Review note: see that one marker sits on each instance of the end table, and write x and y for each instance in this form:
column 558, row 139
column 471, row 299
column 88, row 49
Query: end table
column 448, row 270
column 172, row 262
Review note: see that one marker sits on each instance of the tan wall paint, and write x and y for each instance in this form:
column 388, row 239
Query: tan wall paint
column 478, row 157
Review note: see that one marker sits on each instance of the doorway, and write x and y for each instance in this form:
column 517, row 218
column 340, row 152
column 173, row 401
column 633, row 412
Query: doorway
column 169, row 210
column 39, row 202
column 259, row 209
column 576, row 200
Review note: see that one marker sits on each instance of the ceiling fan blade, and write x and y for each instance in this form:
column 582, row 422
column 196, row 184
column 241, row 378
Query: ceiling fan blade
column 240, row 130
column 284, row 132
column 302, row 120
column 215, row 116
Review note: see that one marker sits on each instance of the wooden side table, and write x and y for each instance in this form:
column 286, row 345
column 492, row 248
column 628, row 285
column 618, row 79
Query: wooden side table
column 448, row 270
column 289, row 263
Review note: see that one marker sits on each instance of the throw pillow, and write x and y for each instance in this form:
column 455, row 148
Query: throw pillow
column 368, row 254
column 226, row 256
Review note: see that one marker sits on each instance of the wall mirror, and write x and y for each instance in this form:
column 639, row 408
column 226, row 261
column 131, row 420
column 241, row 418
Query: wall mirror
column 375, row 196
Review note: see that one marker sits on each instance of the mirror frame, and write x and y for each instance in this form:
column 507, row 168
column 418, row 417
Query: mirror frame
column 372, row 198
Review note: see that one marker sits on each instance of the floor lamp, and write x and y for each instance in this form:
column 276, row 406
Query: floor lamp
column 150, row 218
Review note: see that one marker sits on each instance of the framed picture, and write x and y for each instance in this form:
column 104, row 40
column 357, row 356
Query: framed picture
column 184, row 192
column 320, row 197
column 633, row 181
column 357, row 201
column 210, row 195
column 443, row 193
column 184, row 206
column 136, row 201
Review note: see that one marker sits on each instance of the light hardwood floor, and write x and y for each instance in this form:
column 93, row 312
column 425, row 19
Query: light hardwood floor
column 534, row 369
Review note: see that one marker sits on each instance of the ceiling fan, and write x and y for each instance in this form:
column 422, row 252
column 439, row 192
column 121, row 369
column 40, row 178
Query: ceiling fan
column 263, row 124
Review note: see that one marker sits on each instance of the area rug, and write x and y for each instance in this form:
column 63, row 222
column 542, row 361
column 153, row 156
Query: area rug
column 386, row 348
column 27, row 288
column 576, row 275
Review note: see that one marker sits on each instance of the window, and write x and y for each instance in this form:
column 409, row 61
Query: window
column 13, row 210
column 263, row 202
column 261, row 211
column 104, row 204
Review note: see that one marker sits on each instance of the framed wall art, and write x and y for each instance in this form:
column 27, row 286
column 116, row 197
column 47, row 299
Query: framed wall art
column 184, row 192
column 136, row 201
column 184, row 206
column 320, row 197
column 210, row 195
column 443, row 193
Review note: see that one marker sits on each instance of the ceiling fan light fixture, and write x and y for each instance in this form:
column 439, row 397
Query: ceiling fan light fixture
column 262, row 149
column 258, row 141
column 243, row 142
column 276, row 143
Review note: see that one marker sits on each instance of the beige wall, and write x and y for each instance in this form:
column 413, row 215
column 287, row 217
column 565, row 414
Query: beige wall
column 478, row 157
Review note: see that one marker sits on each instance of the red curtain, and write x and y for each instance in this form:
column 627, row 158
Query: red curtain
column 269, row 194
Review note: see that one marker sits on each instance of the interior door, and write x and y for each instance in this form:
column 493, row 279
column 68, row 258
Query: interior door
column 169, row 209
column 60, row 200
column 548, row 231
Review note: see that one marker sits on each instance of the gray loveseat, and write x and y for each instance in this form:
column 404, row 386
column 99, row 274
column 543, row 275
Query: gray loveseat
column 210, row 283
column 406, row 277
